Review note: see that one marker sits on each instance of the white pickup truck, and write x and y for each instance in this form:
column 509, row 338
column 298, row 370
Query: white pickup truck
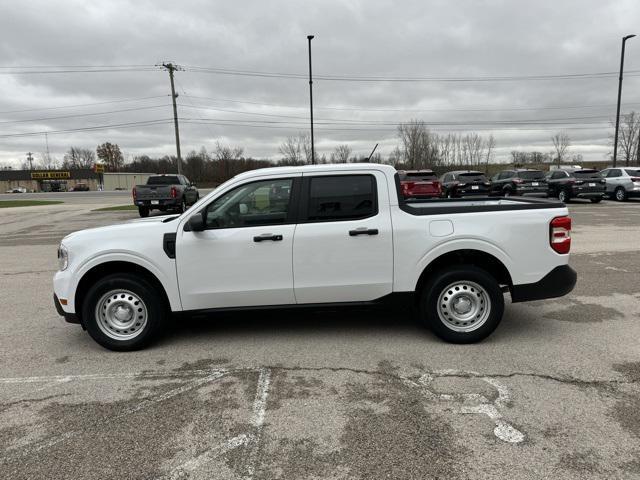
column 316, row 236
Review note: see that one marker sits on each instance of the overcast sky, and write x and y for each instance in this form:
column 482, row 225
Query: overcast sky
column 424, row 39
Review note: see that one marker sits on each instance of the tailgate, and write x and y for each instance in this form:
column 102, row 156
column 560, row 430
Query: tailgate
column 153, row 192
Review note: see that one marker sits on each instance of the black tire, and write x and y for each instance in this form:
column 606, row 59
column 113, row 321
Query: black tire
column 595, row 200
column 564, row 196
column 143, row 211
column 139, row 288
column 507, row 192
column 432, row 290
column 183, row 206
column 620, row 194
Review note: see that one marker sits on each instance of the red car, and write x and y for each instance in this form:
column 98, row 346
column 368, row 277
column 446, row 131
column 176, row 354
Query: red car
column 419, row 184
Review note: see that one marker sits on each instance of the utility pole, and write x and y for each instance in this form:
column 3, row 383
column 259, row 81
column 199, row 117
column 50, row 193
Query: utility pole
column 313, row 147
column 171, row 68
column 615, row 140
column 30, row 160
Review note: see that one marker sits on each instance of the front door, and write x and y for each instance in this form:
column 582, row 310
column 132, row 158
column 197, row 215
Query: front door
column 343, row 245
column 244, row 257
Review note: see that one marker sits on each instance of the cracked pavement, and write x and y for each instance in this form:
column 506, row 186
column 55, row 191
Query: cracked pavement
column 340, row 394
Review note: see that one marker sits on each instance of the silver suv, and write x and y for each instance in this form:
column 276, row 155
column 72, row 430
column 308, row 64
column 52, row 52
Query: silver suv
column 622, row 183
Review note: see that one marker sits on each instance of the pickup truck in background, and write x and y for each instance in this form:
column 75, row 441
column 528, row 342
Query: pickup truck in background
column 165, row 192
column 316, row 236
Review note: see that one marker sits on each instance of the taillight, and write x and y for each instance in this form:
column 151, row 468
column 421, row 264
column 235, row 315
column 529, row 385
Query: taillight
column 486, row 184
column 438, row 187
column 635, row 179
column 134, row 193
column 560, row 234
column 174, row 192
column 517, row 180
column 462, row 184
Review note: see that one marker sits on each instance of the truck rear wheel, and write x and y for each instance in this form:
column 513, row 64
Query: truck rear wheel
column 462, row 304
column 143, row 211
column 123, row 312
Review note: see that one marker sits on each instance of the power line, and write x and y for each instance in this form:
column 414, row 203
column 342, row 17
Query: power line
column 124, row 100
column 79, row 115
column 416, row 110
column 96, row 127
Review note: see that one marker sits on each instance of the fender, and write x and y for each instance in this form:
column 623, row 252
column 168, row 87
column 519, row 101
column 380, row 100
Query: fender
column 452, row 245
column 167, row 279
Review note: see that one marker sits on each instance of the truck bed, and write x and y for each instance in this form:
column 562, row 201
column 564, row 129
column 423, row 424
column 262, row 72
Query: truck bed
column 474, row 204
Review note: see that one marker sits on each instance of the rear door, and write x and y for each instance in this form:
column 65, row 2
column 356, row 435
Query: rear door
column 343, row 245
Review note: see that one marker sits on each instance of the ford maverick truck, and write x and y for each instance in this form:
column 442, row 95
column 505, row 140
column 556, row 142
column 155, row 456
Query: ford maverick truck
column 316, row 236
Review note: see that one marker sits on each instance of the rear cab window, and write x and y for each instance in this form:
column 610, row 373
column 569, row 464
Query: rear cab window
column 341, row 198
column 419, row 177
column 164, row 180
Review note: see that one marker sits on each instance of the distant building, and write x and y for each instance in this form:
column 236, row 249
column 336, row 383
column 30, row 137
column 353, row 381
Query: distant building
column 65, row 180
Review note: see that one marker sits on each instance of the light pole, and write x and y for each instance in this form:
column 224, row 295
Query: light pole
column 313, row 147
column 615, row 140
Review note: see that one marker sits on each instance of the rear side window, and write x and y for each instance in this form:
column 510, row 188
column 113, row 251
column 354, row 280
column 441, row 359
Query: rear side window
column 504, row 175
column 165, row 180
column 341, row 197
column 614, row 172
column 632, row 172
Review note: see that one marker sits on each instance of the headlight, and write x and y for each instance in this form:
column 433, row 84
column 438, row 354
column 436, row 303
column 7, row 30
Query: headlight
column 63, row 257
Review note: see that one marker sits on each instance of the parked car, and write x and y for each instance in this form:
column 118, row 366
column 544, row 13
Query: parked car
column 80, row 187
column 343, row 232
column 165, row 192
column 622, row 183
column 524, row 182
column 419, row 184
column 17, row 190
column 566, row 184
column 464, row 183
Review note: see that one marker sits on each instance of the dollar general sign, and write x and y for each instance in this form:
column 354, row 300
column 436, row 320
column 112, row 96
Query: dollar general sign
column 50, row 175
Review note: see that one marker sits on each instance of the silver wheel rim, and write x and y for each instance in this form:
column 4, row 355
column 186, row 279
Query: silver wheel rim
column 561, row 197
column 464, row 306
column 507, row 193
column 121, row 314
column 620, row 195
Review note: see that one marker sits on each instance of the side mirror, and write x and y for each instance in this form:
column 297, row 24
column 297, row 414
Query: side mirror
column 196, row 223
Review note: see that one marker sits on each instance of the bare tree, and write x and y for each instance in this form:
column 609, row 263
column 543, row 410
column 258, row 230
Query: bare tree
column 296, row 150
column 78, row 158
column 629, row 132
column 48, row 162
column 341, row 154
column 490, row 146
column 419, row 146
column 561, row 142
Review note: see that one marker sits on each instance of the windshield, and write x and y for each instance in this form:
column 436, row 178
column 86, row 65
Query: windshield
column 586, row 174
column 531, row 174
column 632, row 172
column 472, row 177
column 163, row 180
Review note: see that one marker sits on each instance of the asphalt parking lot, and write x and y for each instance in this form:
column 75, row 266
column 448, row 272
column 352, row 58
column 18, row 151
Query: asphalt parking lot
column 554, row 392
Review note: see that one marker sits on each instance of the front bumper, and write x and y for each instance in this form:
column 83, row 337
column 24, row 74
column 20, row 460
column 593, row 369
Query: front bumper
column 68, row 317
column 557, row 283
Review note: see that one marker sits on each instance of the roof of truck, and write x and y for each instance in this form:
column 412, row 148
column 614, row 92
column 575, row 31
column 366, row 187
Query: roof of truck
column 328, row 167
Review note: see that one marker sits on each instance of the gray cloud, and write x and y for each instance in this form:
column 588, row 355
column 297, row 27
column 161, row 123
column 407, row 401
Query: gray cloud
column 364, row 38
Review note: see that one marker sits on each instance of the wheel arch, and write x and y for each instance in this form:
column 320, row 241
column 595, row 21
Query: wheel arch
column 108, row 268
column 486, row 261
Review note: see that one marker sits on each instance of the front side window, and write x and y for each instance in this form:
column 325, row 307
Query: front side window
column 341, row 197
column 614, row 172
column 251, row 205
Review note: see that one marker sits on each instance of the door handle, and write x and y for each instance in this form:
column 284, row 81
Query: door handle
column 363, row 231
column 267, row 236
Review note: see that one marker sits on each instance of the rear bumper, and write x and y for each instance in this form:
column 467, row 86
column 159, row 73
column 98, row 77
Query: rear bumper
column 557, row 283
column 68, row 317
column 171, row 202
column 534, row 193
column 589, row 195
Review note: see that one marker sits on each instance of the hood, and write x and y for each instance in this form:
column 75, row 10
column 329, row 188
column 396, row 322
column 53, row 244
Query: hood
column 125, row 232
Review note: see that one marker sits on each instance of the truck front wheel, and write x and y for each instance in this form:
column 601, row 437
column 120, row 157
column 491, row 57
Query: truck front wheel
column 123, row 312
column 462, row 304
